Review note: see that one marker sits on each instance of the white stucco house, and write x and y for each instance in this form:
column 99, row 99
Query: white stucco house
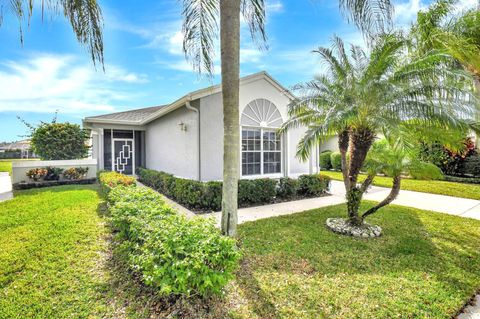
column 185, row 138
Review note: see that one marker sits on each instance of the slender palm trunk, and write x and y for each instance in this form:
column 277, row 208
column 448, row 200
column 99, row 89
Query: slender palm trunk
column 360, row 142
column 343, row 139
column 393, row 194
column 230, row 56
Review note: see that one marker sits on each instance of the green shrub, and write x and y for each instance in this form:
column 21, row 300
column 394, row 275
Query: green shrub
column 189, row 192
column 425, row 171
column 287, row 188
column 53, row 173
column 75, row 173
column 59, row 141
column 336, row 160
column 325, row 160
column 471, row 166
column 176, row 255
column 313, row 185
column 110, row 180
column 256, row 191
column 212, row 196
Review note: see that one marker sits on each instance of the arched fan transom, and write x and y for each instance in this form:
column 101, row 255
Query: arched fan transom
column 262, row 113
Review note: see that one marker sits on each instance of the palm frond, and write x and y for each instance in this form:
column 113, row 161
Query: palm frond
column 372, row 17
column 253, row 12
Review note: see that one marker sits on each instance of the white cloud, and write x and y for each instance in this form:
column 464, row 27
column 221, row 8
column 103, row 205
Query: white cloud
column 46, row 83
column 274, row 6
column 406, row 12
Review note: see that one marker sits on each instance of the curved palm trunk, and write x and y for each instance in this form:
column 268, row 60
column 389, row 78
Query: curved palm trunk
column 390, row 198
column 230, row 56
column 360, row 142
column 343, row 140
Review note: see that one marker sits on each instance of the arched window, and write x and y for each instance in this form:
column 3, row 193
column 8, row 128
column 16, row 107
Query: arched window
column 261, row 145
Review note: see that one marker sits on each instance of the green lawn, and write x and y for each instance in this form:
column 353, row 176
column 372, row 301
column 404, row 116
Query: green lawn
column 427, row 265
column 50, row 251
column 6, row 166
column 434, row 187
column 57, row 261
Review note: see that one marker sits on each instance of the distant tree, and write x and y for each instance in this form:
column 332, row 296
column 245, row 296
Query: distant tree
column 58, row 141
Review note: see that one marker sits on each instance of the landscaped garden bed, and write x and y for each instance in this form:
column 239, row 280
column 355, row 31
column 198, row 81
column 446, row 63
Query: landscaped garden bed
column 207, row 196
column 40, row 184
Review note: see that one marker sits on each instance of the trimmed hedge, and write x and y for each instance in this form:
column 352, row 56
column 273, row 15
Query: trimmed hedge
column 110, row 180
column 174, row 254
column 336, row 160
column 325, row 160
column 208, row 196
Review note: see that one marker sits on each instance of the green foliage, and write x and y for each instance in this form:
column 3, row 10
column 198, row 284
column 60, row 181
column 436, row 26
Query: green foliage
column 425, row 171
column 313, row 185
column 325, row 160
column 36, row 173
column 385, row 159
column 110, row 180
column 53, row 173
column 75, row 173
column 287, row 188
column 336, row 161
column 471, row 166
column 59, row 141
column 208, row 196
column 256, row 191
column 176, row 255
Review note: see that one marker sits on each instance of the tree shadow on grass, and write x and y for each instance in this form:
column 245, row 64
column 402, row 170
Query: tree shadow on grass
column 417, row 249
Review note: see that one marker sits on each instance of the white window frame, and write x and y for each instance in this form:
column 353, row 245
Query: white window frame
column 281, row 151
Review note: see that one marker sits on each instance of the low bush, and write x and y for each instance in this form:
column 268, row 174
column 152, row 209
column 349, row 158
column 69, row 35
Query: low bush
column 36, row 173
column 468, row 180
column 313, row 185
column 287, row 188
column 208, row 196
column 256, row 191
column 75, row 173
column 471, row 166
column 53, row 173
column 110, row 180
column 336, row 161
column 325, row 160
column 425, row 171
column 176, row 255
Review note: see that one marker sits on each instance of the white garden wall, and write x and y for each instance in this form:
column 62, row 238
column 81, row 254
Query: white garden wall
column 20, row 168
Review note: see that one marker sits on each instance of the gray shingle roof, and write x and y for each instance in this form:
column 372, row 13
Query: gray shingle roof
column 136, row 115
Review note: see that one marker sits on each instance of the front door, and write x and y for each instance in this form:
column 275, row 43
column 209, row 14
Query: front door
column 123, row 156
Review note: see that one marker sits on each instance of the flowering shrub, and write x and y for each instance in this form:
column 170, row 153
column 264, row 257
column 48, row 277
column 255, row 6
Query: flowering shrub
column 75, row 173
column 36, row 173
column 110, row 180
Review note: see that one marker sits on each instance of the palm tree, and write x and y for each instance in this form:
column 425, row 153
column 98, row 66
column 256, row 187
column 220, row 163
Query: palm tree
column 200, row 28
column 364, row 95
column 85, row 17
column 439, row 28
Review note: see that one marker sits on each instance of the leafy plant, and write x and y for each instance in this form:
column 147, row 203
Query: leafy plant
column 53, row 173
column 75, row 173
column 36, row 173
column 110, row 180
column 287, row 188
column 336, row 160
column 325, row 160
column 313, row 185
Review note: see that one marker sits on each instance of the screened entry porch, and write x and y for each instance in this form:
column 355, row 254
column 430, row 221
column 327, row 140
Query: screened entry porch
column 124, row 150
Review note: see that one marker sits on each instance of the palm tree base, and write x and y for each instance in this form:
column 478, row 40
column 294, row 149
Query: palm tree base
column 344, row 227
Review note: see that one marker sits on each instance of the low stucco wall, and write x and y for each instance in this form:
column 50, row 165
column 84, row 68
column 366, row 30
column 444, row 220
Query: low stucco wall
column 20, row 168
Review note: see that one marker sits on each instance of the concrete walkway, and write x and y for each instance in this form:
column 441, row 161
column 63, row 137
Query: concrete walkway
column 5, row 187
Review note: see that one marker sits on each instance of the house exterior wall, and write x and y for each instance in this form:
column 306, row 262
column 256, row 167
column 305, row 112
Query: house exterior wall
column 211, row 136
column 171, row 149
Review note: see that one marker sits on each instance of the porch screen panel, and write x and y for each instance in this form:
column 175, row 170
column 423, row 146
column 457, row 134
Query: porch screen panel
column 107, row 150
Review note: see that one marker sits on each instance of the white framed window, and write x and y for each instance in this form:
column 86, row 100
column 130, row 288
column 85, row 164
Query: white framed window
column 261, row 144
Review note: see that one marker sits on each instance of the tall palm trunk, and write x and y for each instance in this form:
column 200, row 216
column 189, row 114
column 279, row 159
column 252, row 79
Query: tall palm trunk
column 230, row 55
column 360, row 142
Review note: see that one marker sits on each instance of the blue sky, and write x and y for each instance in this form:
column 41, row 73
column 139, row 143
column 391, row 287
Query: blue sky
column 145, row 65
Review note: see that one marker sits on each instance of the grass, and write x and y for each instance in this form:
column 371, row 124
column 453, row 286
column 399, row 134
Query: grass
column 462, row 190
column 57, row 261
column 6, row 166
column 50, row 247
column 426, row 265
